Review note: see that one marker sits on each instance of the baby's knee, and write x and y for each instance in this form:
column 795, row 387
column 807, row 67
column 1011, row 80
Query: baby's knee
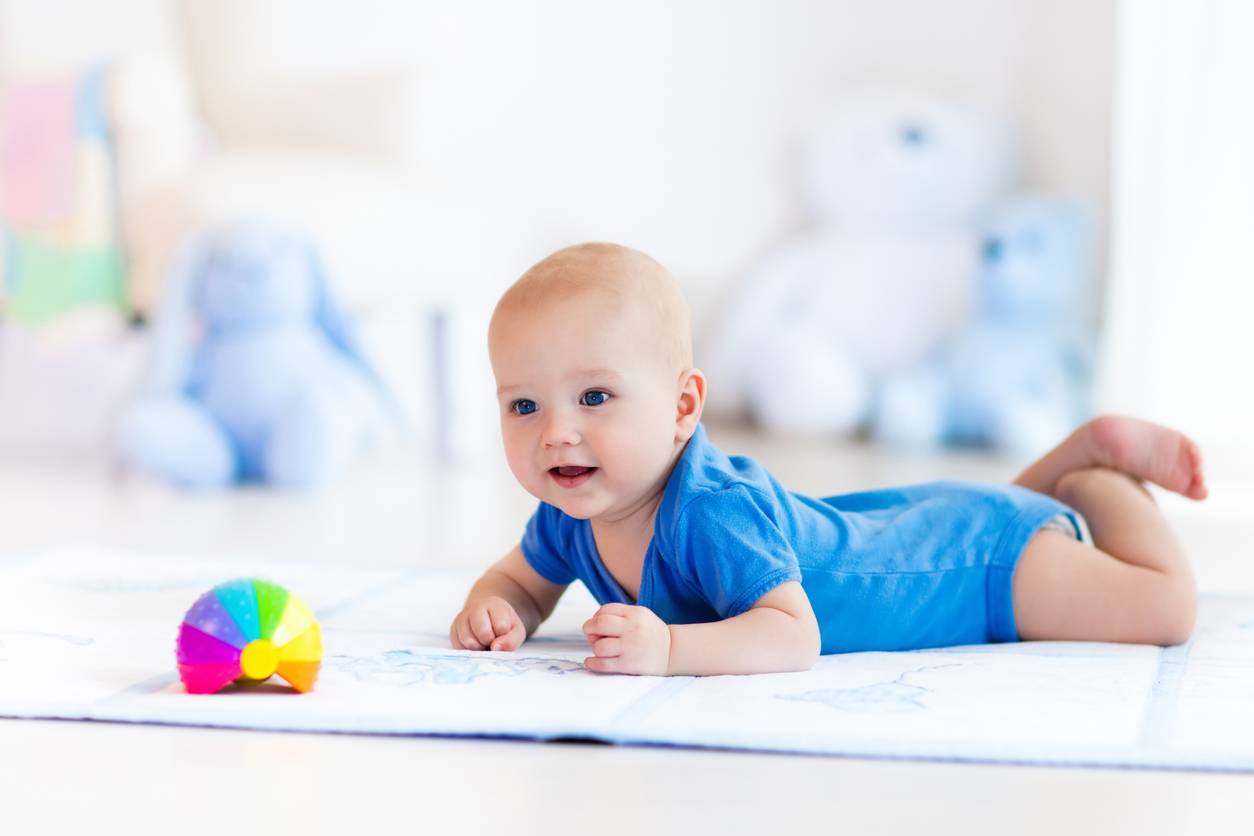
column 1178, row 614
column 1075, row 487
column 1076, row 484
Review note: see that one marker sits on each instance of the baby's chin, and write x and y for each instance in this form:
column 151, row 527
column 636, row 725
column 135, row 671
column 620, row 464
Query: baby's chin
column 579, row 507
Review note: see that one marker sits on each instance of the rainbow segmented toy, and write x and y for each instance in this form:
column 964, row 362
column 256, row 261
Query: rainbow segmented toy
column 246, row 630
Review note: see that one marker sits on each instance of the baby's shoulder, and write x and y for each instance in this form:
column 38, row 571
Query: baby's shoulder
column 709, row 489
column 726, row 503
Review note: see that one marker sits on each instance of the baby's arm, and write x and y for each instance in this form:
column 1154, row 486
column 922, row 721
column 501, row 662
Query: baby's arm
column 504, row 606
column 778, row 633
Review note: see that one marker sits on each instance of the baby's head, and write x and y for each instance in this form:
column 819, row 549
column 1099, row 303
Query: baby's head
column 592, row 352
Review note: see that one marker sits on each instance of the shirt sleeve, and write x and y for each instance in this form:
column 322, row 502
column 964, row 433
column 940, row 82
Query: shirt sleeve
column 543, row 545
column 729, row 546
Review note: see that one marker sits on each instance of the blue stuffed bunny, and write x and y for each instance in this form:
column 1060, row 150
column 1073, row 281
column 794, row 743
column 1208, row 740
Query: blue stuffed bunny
column 255, row 375
column 1016, row 376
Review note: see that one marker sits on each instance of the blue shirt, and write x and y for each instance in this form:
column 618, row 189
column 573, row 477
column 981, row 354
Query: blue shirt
column 911, row 567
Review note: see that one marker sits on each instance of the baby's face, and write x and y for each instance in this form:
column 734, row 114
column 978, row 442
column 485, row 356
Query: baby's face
column 588, row 407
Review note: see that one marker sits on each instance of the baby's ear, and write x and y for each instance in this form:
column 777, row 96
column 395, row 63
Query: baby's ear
column 690, row 403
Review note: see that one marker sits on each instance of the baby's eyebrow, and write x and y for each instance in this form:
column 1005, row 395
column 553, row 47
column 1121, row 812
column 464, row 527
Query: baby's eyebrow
column 596, row 373
column 575, row 375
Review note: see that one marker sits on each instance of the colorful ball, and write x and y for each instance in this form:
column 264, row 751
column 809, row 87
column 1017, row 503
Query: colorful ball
column 246, row 630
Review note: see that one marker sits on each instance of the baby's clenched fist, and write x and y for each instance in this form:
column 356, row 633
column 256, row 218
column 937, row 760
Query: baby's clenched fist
column 627, row 639
column 487, row 624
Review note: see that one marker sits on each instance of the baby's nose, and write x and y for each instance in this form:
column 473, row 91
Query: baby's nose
column 560, row 431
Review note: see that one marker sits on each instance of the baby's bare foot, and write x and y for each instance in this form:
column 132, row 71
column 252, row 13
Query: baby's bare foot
column 1148, row 451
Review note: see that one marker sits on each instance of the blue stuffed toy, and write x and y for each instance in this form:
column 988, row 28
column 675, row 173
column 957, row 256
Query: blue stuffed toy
column 1016, row 377
column 255, row 375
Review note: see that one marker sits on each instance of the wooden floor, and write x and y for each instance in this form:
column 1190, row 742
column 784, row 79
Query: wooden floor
column 402, row 511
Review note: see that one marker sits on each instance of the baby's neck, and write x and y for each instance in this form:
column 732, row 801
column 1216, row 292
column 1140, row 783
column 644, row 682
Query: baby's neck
column 634, row 527
column 622, row 541
column 622, row 544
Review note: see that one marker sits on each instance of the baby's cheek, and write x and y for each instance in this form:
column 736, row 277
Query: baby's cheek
column 646, row 460
column 523, row 472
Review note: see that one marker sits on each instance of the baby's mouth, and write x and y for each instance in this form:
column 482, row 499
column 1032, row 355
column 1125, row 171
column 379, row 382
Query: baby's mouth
column 572, row 475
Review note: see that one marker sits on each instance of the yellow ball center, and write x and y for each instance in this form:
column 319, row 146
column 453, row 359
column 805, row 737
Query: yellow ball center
column 259, row 659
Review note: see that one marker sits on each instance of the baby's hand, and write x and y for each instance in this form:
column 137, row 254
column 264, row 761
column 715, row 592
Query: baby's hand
column 487, row 624
column 627, row 639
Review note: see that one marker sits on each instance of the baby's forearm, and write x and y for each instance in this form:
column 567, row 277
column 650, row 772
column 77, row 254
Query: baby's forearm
column 495, row 582
column 762, row 640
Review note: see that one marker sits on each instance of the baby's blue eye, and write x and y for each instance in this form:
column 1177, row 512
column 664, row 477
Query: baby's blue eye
column 594, row 398
column 523, row 407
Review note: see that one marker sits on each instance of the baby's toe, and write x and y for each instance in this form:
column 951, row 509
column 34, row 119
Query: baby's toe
column 1196, row 485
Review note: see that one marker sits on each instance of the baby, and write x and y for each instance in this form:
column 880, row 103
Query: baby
column 704, row 564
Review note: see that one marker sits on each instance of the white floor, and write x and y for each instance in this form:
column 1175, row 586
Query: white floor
column 402, row 511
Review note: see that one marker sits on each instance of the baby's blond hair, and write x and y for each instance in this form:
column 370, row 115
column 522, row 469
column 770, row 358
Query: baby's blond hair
column 625, row 278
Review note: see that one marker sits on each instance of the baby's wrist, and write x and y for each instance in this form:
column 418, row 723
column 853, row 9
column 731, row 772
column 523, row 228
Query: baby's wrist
column 670, row 643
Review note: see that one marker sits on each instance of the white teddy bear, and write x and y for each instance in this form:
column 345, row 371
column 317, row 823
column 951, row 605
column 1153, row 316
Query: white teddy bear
column 895, row 182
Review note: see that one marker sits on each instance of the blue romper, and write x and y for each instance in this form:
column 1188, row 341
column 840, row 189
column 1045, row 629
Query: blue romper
column 913, row 567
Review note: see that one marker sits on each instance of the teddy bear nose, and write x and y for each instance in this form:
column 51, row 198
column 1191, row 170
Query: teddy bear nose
column 913, row 135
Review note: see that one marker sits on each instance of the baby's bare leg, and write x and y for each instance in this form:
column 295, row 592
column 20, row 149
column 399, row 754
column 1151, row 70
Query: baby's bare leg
column 1139, row 448
column 1135, row 586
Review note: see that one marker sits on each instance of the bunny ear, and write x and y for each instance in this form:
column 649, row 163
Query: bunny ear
column 327, row 313
column 176, row 324
column 331, row 318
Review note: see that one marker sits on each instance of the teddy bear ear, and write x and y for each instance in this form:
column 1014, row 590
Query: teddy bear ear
column 177, row 326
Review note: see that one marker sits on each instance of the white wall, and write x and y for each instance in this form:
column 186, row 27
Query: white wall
column 53, row 35
column 1178, row 341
